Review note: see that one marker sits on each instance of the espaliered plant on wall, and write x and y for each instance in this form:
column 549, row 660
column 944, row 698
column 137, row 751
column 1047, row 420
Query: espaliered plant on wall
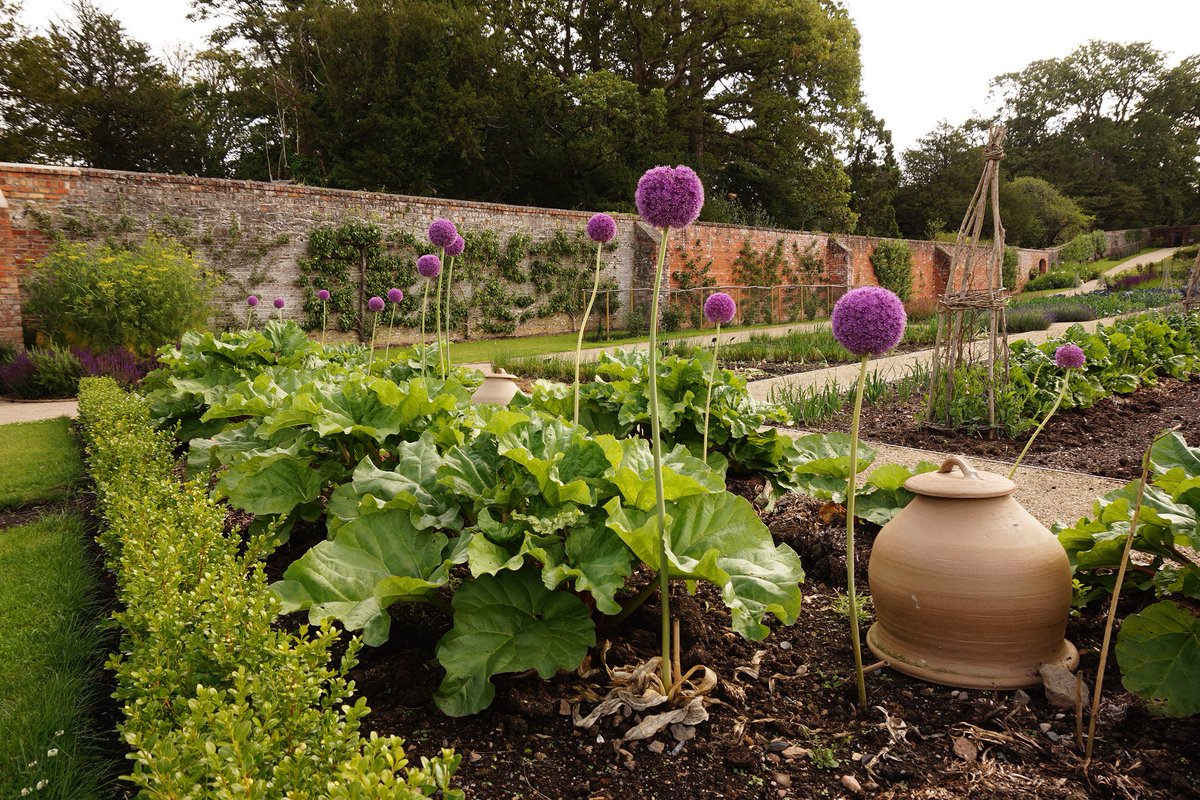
column 351, row 261
column 690, row 280
column 893, row 267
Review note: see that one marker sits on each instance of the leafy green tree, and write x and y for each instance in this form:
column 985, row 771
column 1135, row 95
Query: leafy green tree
column 940, row 176
column 86, row 93
column 1036, row 214
column 874, row 178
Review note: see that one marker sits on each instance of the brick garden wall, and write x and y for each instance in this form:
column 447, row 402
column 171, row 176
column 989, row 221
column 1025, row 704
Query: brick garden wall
column 261, row 231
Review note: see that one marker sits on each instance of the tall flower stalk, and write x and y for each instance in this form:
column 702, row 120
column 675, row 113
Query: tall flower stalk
column 442, row 234
column 867, row 322
column 718, row 308
column 279, row 304
column 323, row 296
column 376, row 305
column 394, row 297
column 601, row 229
column 1067, row 357
column 251, row 303
column 666, row 198
column 453, row 251
column 429, row 266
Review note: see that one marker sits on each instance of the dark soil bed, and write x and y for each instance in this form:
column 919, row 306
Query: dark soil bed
column 786, row 724
column 1107, row 439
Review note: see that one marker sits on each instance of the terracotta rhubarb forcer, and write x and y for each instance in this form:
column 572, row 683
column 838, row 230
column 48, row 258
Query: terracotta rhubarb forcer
column 969, row 589
column 498, row 387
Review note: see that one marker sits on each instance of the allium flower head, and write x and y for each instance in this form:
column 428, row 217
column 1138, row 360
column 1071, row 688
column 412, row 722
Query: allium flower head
column 323, row 295
column 375, row 304
column 869, row 321
column 279, row 302
column 1069, row 356
column 395, row 295
column 429, row 265
column 252, row 300
column 456, row 247
column 720, row 308
column 601, row 228
column 442, row 233
column 669, row 197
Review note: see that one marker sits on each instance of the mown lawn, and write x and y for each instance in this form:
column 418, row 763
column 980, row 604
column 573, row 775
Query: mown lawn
column 41, row 462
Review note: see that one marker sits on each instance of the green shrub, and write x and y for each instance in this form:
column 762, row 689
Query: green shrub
column 1059, row 279
column 41, row 373
column 219, row 702
column 101, row 297
column 1009, row 272
column 1023, row 321
column 1084, row 248
column 893, row 267
column 1187, row 253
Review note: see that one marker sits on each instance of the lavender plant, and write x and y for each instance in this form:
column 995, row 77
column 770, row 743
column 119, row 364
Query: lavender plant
column 867, row 322
column 666, row 197
column 1067, row 357
column 719, row 308
column 601, row 229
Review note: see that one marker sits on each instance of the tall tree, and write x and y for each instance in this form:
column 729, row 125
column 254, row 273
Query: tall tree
column 86, row 93
column 874, row 177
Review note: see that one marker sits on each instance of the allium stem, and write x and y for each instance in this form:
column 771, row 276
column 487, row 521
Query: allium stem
column 449, row 297
column 851, row 486
column 281, row 315
column 371, row 352
column 437, row 312
column 387, row 348
column 712, row 373
column 583, row 327
column 1116, row 597
column 664, row 577
column 323, row 320
column 1066, row 381
column 424, row 342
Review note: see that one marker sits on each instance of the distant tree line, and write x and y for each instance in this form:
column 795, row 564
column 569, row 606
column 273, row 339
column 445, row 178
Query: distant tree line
column 564, row 103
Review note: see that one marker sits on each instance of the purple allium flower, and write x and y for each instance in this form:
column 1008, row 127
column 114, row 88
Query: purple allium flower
column 601, row 228
column 456, row 247
column 279, row 303
column 252, row 301
column 442, row 233
column 395, row 295
column 669, row 197
column 429, row 265
column 1069, row 356
column 375, row 304
column 322, row 295
column 719, row 308
column 869, row 321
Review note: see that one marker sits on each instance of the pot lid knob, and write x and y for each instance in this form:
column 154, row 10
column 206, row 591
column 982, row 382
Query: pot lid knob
column 968, row 482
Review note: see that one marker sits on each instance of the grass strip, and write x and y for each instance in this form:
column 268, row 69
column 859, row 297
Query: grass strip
column 41, row 462
column 51, row 657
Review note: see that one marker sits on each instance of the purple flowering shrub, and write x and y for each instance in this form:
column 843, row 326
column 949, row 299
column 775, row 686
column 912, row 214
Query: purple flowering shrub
column 121, row 364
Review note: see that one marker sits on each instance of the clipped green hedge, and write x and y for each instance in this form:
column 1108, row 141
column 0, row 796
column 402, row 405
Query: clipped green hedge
column 218, row 702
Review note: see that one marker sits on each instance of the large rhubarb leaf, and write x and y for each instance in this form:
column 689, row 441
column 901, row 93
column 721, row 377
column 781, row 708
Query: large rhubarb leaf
column 597, row 560
column 509, row 622
column 823, row 465
column 410, row 484
column 373, row 562
column 1159, row 652
column 273, row 484
column 719, row 538
column 883, row 494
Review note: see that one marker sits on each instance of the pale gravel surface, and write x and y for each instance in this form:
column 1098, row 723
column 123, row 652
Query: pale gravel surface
column 15, row 411
column 1050, row 495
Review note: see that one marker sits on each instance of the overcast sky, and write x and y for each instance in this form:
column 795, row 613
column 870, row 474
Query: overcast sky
column 923, row 60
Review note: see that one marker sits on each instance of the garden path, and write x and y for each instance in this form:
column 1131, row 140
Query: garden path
column 1152, row 257
column 37, row 410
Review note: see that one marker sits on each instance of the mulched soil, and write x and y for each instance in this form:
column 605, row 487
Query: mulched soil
column 786, row 724
column 1107, row 439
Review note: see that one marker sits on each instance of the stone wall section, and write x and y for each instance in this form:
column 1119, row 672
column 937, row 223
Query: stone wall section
column 209, row 209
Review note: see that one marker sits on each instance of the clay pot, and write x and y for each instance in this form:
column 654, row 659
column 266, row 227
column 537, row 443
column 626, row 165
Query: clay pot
column 969, row 589
column 498, row 387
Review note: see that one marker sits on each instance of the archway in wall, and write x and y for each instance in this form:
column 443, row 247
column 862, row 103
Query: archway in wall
column 1043, row 267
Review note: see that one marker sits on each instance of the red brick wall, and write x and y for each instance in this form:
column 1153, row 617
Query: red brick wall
column 212, row 207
